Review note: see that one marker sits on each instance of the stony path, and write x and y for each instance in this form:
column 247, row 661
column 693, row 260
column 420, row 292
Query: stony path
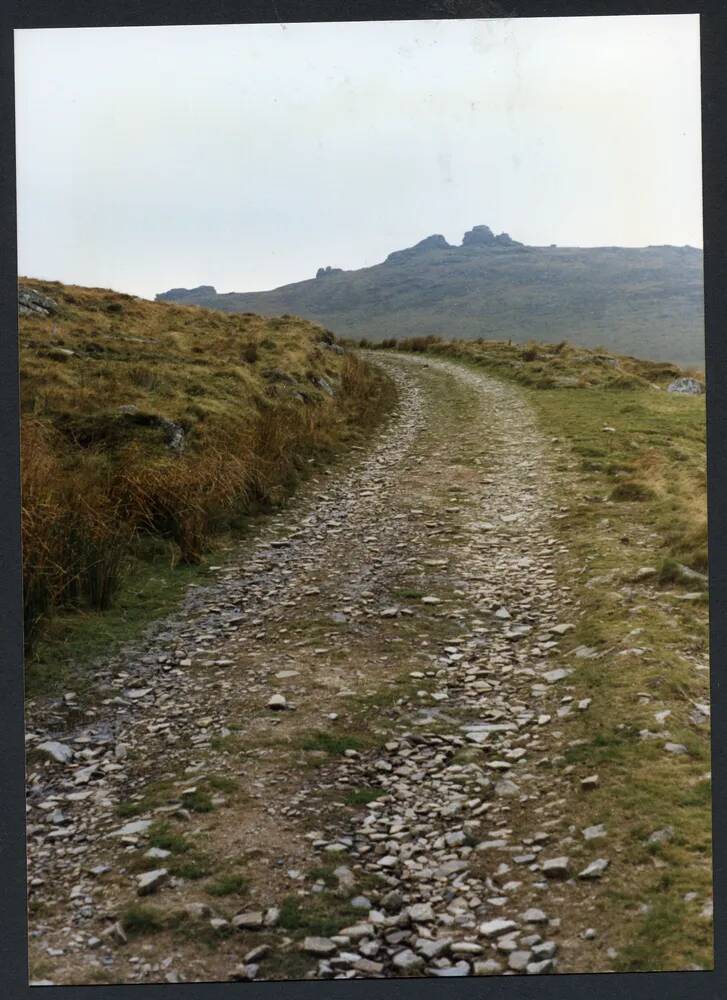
column 411, row 599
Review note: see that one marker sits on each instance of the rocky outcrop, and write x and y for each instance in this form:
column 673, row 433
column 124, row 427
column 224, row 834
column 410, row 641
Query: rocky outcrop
column 482, row 236
column 478, row 236
column 505, row 240
column 688, row 386
column 434, row 242
column 493, row 286
column 326, row 272
column 33, row 303
column 186, row 294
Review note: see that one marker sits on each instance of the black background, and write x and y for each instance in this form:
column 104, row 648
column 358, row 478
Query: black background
column 604, row 986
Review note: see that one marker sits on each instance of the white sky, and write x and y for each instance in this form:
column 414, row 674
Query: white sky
column 246, row 156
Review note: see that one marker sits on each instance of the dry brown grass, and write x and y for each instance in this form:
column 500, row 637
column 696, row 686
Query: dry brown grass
column 251, row 395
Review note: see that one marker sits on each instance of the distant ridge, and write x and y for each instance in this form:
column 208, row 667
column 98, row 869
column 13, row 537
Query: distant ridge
column 645, row 301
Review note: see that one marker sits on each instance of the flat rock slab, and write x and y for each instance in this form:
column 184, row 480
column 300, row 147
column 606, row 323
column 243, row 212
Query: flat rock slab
column 149, row 882
column 556, row 867
column 59, row 752
column 319, row 946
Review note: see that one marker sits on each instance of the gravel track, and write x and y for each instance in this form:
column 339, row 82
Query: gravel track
column 430, row 561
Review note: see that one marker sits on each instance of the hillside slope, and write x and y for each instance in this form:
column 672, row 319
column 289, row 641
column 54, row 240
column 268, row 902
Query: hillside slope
column 645, row 301
column 149, row 428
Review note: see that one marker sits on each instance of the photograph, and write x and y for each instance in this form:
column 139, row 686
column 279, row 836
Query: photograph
column 364, row 500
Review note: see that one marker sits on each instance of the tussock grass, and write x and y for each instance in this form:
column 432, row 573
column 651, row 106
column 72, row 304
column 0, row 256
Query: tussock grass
column 198, row 801
column 163, row 836
column 139, row 919
column 332, row 743
column 632, row 490
column 228, row 885
column 191, row 868
column 323, row 914
column 166, row 422
column 362, row 796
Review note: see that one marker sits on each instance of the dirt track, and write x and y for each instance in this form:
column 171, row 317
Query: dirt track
column 410, row 609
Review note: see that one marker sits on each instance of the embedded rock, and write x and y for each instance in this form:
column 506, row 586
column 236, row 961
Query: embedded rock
column 34, row 303
column 149, row 882
column 688, row 386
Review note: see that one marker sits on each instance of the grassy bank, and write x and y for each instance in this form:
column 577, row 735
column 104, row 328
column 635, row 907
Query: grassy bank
column 642, row 508
column 150, row 430
column 634, row 527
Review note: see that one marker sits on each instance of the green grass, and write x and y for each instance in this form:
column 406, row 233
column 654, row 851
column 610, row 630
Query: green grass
column 221, row 783
column 71, row 641
column 656, row 516
column 197, row 932
column 191, row 868
column 321, row 914
column 163, row 836
column 630, row 490
column 155, row 794
column 323, row 873
column 228, row 885
column 165, row 791
column 225, row 744
column 650, row 946
column 289, row 963
column 610, row 746
column 186, row 860
column 139, row 919
column 125, row 810
column 670, row 491
column 198, row 801
column 362, row 796
column 332, row 743
column 699, row 795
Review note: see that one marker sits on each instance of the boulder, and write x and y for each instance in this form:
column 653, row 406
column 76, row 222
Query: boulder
column 60, row 353
column 497, row 927
column 319, row 946
column 421, row 913
column 556, row 868
column 688, row 386
column 408, row 961
column 595, row 869
column 59, row 752
column 249, row 920
column 149, row 882
column 34, row 303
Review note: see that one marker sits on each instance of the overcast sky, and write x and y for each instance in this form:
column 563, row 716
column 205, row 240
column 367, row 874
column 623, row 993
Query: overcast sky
column 247, row 156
